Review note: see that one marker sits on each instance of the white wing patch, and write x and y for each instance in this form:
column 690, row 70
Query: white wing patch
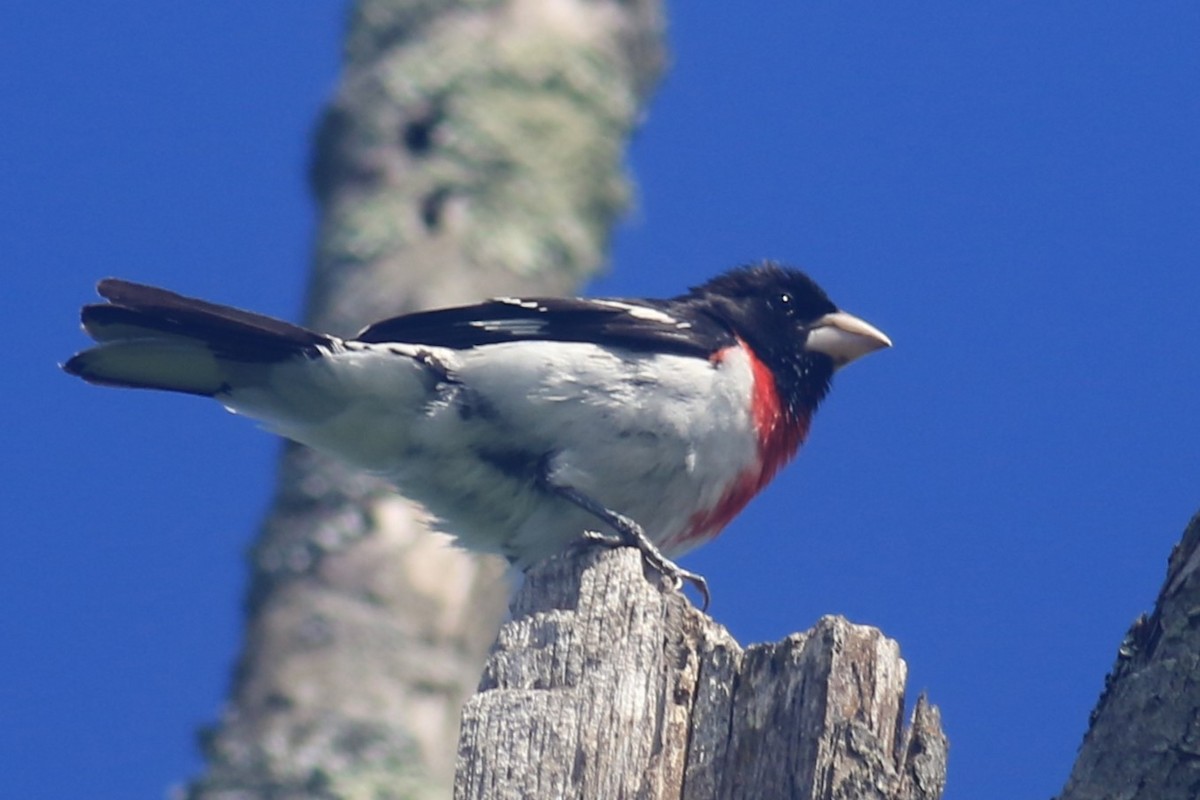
column 640, row 312
column 517, row 327
column 519, row 303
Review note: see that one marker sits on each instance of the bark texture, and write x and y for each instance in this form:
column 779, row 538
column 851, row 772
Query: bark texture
column 1144, row 739
column 606, row 684
column 472, row 148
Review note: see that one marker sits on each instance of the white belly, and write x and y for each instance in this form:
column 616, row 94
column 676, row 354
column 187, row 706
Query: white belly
column 658, row 438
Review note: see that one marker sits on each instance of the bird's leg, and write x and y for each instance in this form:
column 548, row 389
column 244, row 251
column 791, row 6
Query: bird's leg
column 630, row 534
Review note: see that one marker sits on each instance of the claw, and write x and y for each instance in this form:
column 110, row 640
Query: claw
column 630, row 533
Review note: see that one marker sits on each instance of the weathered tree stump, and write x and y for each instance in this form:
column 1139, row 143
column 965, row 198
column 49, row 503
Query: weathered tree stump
column 1144, row 739
column 607, row 684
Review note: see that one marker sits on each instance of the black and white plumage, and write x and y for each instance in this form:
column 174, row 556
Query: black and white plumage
column 521, row 423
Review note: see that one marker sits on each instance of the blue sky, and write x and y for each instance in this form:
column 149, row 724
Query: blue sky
column 1010, row 190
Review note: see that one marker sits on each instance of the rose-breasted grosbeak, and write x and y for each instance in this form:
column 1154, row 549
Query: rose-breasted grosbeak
column 522, row 423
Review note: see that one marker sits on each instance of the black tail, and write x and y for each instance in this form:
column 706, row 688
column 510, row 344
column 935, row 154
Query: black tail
column 154, row 339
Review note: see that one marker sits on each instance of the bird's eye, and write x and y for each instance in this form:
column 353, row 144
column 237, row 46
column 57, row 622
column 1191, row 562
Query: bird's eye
column 785, row 302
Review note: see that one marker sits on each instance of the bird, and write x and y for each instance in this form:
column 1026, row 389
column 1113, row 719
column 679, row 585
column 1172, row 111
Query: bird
column 523, row 425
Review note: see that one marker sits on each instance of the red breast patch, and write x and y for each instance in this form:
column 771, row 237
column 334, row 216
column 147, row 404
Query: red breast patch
column 779, row 437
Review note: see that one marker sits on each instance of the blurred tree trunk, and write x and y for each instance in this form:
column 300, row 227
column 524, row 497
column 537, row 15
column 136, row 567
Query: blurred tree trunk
column 605, row 685
column 472, row 148
column 1143, row 742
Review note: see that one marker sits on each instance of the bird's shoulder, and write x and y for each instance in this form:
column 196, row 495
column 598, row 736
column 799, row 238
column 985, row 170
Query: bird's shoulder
column 666, row 326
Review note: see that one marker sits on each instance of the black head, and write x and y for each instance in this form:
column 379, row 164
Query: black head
column 790, row 324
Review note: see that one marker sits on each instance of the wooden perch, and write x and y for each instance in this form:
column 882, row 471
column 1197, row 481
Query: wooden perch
column 606, row 685
column 1144, row 739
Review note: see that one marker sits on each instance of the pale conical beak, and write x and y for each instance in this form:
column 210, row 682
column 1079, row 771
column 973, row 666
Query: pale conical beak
column 844, row 337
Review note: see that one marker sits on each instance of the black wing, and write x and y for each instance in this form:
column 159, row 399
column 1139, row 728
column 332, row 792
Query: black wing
column 658, row 325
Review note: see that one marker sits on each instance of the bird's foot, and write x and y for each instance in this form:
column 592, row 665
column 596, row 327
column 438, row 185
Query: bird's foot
column 635, row 536
column 629, row 533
